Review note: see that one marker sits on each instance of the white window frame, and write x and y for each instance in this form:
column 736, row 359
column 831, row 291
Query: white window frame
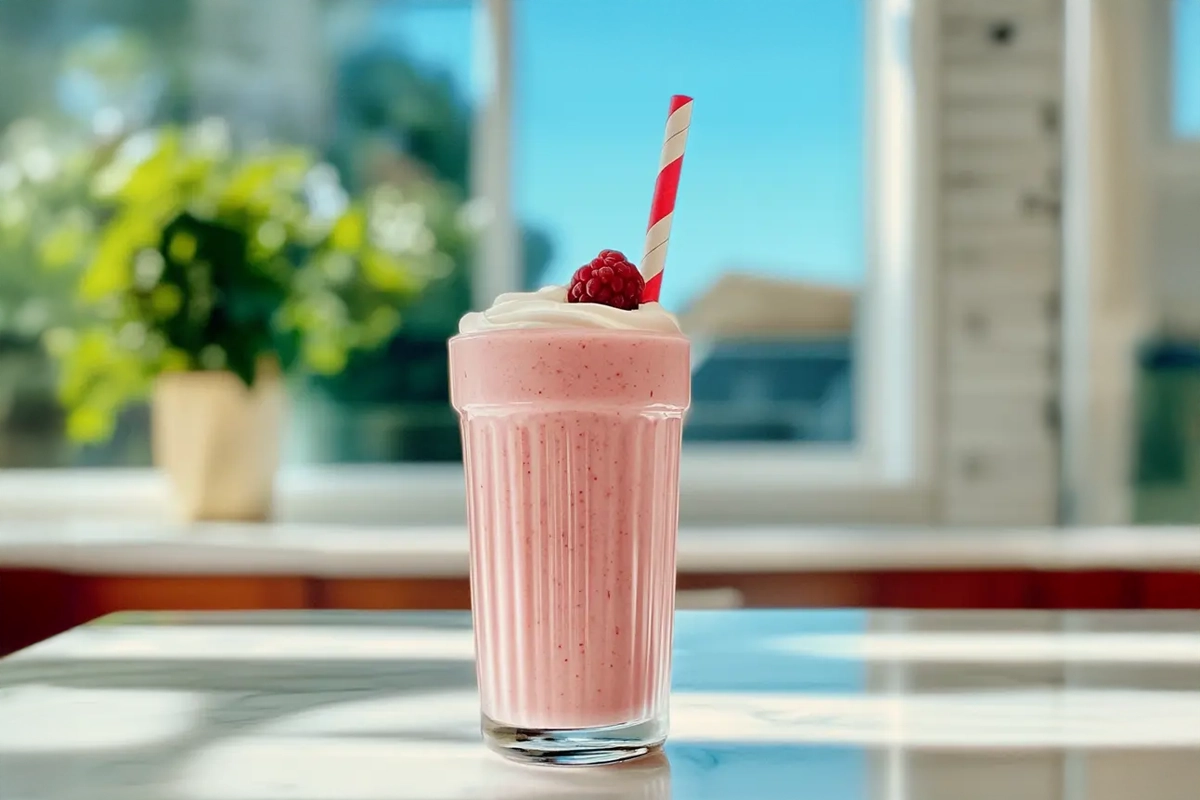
column 1111, row 175
column 883, row 477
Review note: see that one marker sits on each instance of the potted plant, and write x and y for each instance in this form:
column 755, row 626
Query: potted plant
column 214, row 274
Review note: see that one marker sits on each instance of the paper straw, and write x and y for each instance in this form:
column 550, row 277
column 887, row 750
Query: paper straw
column 662, row 207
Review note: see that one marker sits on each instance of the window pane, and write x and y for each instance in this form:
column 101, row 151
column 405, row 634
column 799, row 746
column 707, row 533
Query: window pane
column 767, row 247
column 377, row 90
column 769, row 217
column 1186, row 69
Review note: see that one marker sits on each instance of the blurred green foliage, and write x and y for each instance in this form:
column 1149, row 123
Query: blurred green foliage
column 393, row 404
column 396, row 131
column 207, row 259
column 46, row 228
column 46, row 221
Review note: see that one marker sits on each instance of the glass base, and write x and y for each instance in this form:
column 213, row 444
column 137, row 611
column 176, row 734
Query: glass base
column 578, row 747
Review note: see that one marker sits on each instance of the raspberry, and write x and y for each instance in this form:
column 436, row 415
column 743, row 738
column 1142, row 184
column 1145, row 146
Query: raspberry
column 608, row 279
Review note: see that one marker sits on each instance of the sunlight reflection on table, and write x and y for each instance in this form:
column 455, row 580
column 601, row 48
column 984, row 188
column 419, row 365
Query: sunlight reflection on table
column 49, row 719
column 249, row 642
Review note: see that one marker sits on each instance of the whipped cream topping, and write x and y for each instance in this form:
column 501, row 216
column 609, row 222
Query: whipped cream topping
column 548, row 308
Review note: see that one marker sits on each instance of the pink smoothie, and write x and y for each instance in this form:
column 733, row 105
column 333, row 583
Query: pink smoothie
column 571, row 443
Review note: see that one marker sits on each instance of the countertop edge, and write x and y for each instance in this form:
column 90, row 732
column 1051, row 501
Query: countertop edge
column 332, row 552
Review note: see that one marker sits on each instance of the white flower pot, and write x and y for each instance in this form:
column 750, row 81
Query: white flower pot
column 219, row 442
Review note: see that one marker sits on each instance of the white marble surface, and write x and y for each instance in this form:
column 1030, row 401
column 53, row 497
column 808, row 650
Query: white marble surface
column 828, row 705
column 345, row 551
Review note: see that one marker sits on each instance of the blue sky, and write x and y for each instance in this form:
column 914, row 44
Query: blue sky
column 773, row 179
column 1187, row 67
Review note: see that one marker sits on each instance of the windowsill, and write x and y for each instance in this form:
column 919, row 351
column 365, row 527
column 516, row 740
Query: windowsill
column 793, row 492
column 318, row 551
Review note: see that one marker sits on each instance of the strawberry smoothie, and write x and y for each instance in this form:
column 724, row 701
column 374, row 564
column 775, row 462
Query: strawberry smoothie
column 572, row 417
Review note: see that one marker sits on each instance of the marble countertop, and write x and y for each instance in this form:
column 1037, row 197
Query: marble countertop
column 809, row 705
column 344, row 551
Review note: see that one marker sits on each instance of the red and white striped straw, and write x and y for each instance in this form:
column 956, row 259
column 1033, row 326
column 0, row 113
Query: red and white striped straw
column 662, row 207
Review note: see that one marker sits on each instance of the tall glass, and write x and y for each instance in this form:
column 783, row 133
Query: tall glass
column 571, row 442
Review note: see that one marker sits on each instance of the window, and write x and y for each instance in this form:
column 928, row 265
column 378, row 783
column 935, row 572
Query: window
column 1185, row 101
column 1132, row 199
column 373, row 88
column 793, row 253
column 770, row 218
